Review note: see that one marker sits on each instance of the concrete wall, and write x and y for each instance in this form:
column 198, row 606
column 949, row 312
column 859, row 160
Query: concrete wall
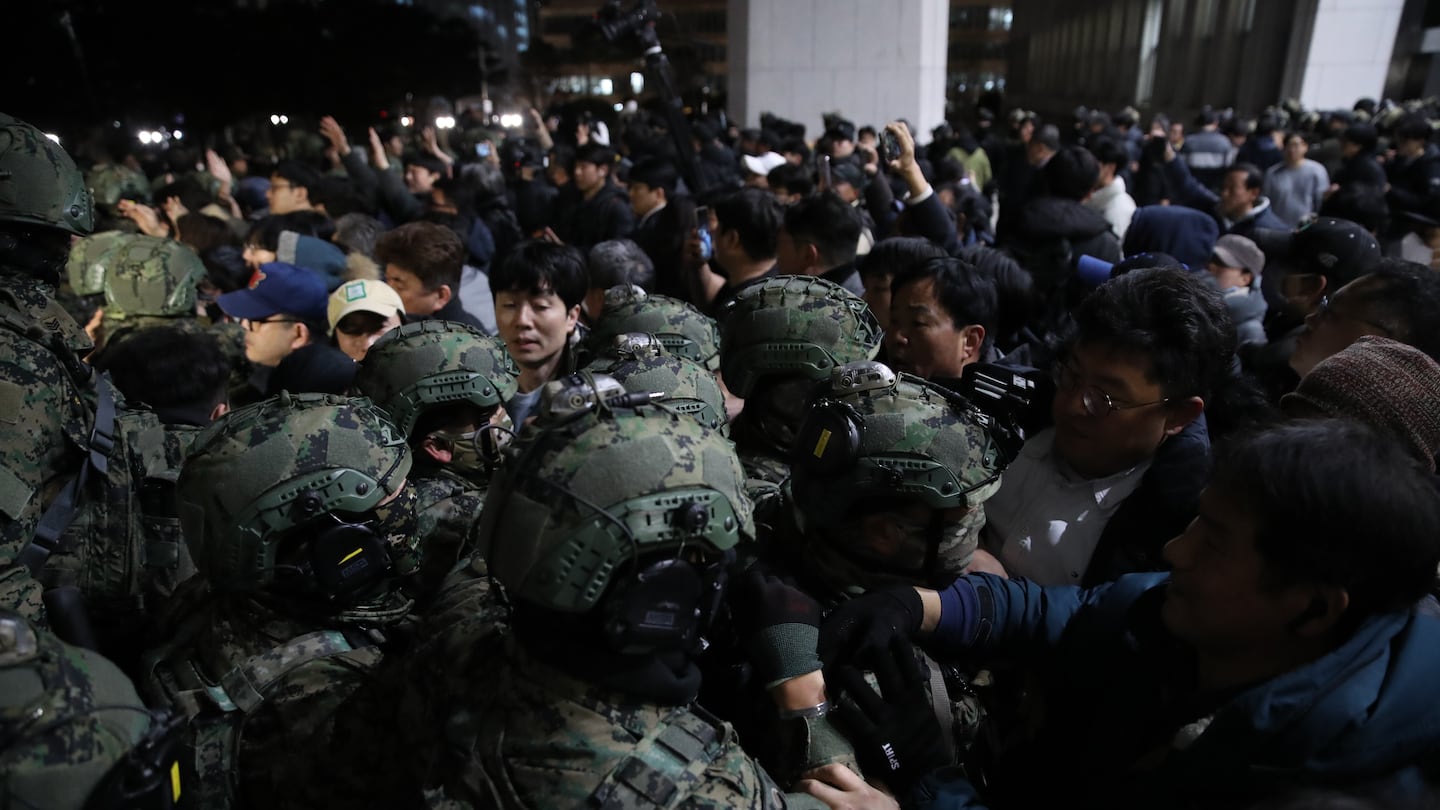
column 872, row 62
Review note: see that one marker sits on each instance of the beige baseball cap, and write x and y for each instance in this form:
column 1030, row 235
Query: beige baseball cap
column 365, row 295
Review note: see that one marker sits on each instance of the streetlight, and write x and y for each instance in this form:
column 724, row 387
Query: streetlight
column 445, row 122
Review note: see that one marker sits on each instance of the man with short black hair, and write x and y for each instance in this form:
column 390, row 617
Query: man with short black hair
column 618, row 262
column 422, row 262
column 538, row 290
column 942, row 318
column 748, row 222
column 591, row 209
column 1414, row 174
column 1397, row 299
column 1110, row 198
column 818, row 238
column 1098, row 494
column 1207, row 150
column 1287, row 648
column 790, row 183
column 290, row 186
column 658, row 229
column 1053, row 231
column 1238, row 208
column 1297, row 185
column 1358, row 165
column 179, row 373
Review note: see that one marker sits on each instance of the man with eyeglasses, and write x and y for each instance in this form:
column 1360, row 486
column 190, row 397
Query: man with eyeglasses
column 1119, row 474
column 282, row 310
column 290, row 186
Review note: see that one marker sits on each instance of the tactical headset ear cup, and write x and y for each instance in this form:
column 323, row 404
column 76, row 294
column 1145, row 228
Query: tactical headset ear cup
column 657, row 610
column 347, row 559
column 829, row 440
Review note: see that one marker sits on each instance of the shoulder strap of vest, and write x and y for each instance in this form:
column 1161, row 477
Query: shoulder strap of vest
column 665, row 766
column 57, row 518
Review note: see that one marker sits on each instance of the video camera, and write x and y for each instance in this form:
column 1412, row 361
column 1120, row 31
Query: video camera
column 1013, row 402
column 617, row 24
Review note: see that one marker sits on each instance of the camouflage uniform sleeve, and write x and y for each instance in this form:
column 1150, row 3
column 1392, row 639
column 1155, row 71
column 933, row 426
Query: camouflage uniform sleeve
column 44, row 425
column 737, row 781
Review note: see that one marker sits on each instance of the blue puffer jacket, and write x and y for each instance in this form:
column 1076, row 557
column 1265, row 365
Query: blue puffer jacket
column 1362, row 719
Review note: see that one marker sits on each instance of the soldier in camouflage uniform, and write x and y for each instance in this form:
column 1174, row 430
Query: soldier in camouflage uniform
column 610, row 528
column 73, row 733
column 891, row 477
column 442, row 384
column 298, row 516
column 683, row 330
column 43, row 384
column 778, row 338
column 641, row 363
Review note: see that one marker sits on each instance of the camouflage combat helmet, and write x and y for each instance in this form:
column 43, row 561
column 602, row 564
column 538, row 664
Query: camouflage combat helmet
column 150, row 277
column 292, row 460
column 75, row 733
column 39, row 183
column 420, row 365
column 113, row 182
column 793, row 326
column 590, row 488
column 89, row 258
column 877, row 437
column 640, row 363
column 684, row 330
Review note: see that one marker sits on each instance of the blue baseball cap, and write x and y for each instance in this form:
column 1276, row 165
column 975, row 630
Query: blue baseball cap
column 279, row 288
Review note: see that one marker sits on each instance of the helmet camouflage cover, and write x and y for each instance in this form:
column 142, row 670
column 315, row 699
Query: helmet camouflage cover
column 586, row 494
column 89, row 258
column 640, row 363
column 147, row 276
column 880, row 438
column 241, row 486
column 39, row 183
column 793, row 326
column 684, row 330
column 416, row 366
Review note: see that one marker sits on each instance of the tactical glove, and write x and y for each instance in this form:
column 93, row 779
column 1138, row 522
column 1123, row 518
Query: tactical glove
column 782, row 624
column 866, row 624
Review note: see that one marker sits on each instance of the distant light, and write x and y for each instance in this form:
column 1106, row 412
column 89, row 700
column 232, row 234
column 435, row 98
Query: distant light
column 512, row 120
column 115, row 124
column 52, row 136
column 619, row 108
column 606, row 87
column 406, row 120
column 284, row 119
column 445, row 122
column 144, row 136
column 637, row 83
column 275, row 120
column 178, row 135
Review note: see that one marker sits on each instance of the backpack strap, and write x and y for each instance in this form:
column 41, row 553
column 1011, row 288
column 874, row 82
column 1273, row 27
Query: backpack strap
column 665, row 766
column 49, row 532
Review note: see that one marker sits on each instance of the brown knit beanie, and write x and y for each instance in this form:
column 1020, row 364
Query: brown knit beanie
column 1384, row 383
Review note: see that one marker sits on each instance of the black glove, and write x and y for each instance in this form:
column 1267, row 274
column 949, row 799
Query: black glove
column 781, row 625
column 897, row 737
column 864, row 625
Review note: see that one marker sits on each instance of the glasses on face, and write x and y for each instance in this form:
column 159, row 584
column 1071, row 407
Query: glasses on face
column 254, row 325
column 1328, row 311
column 1096, row 401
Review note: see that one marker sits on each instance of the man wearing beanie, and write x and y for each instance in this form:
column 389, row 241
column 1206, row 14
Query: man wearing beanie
column 1384, row 383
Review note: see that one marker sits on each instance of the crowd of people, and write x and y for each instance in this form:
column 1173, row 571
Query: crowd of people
column 592, row 465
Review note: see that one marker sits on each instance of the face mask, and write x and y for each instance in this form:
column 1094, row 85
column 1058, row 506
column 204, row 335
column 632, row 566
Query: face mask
column 398, row 522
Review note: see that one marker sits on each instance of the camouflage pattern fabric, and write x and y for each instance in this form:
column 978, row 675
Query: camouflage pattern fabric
column 47, row 418
column 539, row 531
column 421, row 365
column 89, row 259
column 39, row 183
column 793, row 326
column 448, row 507
column 684, row 330
column 917, row 443
column 454, row 646
column 535, row 738
column 688, row 387
column 261, row 689
column 112, row 183
column 67, row 717
column 149, row 276
column 238, row 485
